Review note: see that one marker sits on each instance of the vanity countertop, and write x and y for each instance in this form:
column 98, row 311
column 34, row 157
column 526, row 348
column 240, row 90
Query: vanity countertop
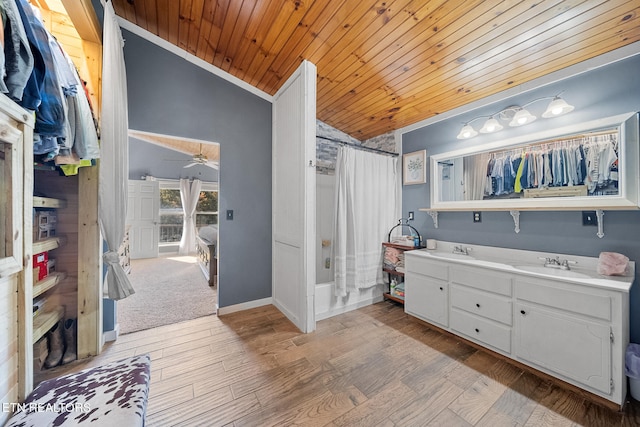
column 583, row 270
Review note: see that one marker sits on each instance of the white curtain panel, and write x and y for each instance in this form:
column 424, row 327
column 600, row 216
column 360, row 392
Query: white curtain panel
column 366, row 191
column 114, row 155
column 189, row 194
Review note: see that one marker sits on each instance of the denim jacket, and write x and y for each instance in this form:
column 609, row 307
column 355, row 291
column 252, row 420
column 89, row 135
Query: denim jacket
column 44, row 82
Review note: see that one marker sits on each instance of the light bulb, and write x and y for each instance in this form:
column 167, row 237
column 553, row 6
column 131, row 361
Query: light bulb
column 522, row 117
column 557, row 107
column 491, row 125
column 467, row 132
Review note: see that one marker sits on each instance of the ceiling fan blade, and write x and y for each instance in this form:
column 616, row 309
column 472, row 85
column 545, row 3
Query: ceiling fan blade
column 190, row 165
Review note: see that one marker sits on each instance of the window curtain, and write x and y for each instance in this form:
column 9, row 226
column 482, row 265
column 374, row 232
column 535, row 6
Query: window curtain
column 114, row 155
column 189, row 194
column 366, row 194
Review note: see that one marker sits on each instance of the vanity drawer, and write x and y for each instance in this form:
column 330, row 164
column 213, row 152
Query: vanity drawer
column 482, row 278
column 482, row 330
column 485, row 304
column 566, row 299
column 426, row 267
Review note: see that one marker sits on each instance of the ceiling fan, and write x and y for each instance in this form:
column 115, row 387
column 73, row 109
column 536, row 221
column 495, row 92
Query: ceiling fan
column 200, row 159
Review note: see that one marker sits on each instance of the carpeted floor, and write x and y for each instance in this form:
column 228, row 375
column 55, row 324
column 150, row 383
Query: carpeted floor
column 168, row 290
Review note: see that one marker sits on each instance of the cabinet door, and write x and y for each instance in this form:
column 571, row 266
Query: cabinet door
column 427, row 298
column 573, row 347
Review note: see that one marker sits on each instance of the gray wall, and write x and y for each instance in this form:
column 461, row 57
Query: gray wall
column 603, row 92
column 150, row 159
column 169, row 95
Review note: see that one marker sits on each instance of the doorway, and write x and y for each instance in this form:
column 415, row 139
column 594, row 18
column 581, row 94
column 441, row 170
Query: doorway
column 170, row 286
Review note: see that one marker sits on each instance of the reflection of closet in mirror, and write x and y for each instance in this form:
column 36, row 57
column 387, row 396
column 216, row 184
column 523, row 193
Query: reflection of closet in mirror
column 582, row 165
column 586, row 165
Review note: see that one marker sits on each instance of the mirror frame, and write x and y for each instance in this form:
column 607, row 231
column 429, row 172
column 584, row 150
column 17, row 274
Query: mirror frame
column 629, row 171
column 12, row 186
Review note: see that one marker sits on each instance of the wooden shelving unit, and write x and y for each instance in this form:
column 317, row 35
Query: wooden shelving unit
column 392, row 273
column 387, row 295
column 48, row 202
column 42, row 322
column 48, row 282
column 49, row 244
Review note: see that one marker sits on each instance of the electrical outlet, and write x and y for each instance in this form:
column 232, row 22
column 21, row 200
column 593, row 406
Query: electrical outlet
column 411, row 216
column 477, row 217
column 589, row 218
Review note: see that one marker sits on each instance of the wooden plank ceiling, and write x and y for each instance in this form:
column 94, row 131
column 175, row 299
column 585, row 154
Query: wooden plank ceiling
column 383, row 65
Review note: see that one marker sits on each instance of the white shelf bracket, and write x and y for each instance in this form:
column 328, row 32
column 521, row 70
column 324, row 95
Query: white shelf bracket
column 516, row 220
column 599, row 215
column 434, row 217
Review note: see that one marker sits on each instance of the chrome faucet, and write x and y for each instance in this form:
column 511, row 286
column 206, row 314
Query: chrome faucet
column 557, row 263
column 459, row 250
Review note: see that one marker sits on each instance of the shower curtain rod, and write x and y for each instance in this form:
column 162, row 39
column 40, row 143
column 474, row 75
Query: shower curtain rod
column 362, row 147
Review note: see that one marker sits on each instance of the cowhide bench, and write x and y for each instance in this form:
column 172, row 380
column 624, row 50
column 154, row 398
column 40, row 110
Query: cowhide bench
column 110, row 395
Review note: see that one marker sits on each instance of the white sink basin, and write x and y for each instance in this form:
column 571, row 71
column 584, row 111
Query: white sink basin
column 451, row 255
column 552, row 271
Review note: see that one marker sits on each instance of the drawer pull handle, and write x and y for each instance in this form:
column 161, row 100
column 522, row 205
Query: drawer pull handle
column 441, row 288
column 478, row 305
column 477, row 330
column 523, row 312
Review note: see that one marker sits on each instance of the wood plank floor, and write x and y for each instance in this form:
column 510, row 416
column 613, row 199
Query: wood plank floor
column 375, row 366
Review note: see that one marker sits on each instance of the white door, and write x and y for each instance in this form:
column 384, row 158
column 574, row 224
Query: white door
column 294, row 197
column 143, row 218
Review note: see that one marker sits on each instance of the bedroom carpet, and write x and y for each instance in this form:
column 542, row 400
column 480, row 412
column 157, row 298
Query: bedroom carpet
column 170, row 289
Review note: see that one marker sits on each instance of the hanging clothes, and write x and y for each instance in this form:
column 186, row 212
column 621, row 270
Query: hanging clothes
column 43, row 93
column 18, row 58
column 591, row 161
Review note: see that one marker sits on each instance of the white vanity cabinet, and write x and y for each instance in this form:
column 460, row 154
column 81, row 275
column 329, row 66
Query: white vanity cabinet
column 426, row 290
column 573, row 332
column 481, row 307
column 574, row 329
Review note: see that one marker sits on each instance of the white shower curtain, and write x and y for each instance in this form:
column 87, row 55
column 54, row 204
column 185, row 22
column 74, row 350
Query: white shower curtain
column 114, row 155
column 366, row 196
column 189, row 194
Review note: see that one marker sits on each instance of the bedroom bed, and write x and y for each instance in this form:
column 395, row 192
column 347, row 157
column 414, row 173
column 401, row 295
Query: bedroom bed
column 206, row 248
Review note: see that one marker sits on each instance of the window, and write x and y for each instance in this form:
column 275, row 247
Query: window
column 171, row 216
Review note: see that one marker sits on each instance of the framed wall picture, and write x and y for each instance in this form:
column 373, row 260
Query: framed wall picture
column 414, row 169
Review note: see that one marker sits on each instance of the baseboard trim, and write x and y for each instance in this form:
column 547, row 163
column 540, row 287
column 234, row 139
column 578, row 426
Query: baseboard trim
column 347, row 308
column 244, row 306
column 108, row 336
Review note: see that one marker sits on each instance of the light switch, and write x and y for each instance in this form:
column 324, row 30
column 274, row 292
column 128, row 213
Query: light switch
column 230, row 214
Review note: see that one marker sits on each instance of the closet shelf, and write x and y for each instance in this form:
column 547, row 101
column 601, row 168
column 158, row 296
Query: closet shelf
column 45, row 321
column 48, row 202
column 48, row 282
column 49, row 244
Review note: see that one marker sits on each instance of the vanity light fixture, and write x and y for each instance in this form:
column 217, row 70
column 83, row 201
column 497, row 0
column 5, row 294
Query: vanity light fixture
column 518, row 116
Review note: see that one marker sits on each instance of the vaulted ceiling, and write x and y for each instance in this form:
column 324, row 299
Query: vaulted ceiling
column 383, row 65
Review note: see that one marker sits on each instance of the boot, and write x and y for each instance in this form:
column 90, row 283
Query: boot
column 56, row 346
column 70, row 353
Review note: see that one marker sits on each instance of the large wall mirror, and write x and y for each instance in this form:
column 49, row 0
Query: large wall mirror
column 592, row 165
